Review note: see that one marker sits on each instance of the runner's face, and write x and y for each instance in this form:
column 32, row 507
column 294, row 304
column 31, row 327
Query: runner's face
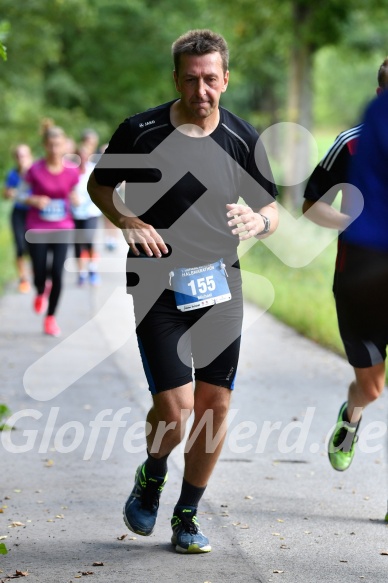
column 200, row 81
column 55, row 147
column 23, row 157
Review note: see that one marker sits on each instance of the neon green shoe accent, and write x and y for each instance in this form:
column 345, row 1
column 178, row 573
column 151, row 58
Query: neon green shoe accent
column 186, row 534
column 141, row 508
column 342, row 443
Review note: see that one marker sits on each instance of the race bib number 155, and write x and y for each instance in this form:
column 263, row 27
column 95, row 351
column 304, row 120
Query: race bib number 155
column 198, row 287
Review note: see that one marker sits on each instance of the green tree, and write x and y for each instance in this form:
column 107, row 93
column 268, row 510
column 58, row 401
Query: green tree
column 93, row 63
column 279, row 42
column 4, row 27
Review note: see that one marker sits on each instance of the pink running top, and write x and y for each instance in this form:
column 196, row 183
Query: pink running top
column 58, row 187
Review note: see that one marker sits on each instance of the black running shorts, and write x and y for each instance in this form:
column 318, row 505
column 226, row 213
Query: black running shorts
column 361, row 295
column 203, row 344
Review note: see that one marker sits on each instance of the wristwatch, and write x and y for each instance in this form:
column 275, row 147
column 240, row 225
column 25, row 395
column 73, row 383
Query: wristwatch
column 267, row 225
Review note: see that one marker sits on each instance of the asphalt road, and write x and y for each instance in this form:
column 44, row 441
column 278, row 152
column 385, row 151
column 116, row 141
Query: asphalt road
column 274, row 509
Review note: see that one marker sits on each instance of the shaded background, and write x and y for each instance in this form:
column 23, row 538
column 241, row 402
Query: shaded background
column 94, row 62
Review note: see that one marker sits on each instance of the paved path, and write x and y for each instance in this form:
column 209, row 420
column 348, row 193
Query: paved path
column 274, row 509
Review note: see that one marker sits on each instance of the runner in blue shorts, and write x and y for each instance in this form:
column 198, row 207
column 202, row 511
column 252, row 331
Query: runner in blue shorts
column 185, row 164
column 164, row 325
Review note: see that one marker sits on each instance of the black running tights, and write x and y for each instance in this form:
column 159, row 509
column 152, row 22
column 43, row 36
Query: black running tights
column 40, row 254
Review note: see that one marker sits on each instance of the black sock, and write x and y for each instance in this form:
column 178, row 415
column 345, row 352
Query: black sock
column 345, row 418
column 156, row 466
column 190, row 495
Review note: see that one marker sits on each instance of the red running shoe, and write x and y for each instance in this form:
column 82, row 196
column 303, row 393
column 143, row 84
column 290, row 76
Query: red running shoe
column 51, row 327
column 40, row 304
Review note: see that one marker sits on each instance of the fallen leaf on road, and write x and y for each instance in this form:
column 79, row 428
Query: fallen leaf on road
column 3, row 549
column 122, row 537
column 84, row 573
column 248, row 497
column 343, row 561
column 244, row 526
column 132, row 538
column 98, row 564
column 277, row 571
column 3, row 537
column 15, row 524
column 279, row 520
column 59, row 516
column 384, row 553
column 276, row 534
column 284, row 547
column 49, row 463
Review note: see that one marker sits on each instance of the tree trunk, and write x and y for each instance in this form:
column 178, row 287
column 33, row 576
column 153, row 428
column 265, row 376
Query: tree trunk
column 299, row 111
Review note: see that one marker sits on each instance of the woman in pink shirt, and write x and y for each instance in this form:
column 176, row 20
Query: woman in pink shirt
column 50, row 223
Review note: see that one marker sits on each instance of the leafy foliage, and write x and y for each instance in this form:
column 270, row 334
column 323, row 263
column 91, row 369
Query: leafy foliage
column 94, row 63
column 4, row 414
column 4, row 29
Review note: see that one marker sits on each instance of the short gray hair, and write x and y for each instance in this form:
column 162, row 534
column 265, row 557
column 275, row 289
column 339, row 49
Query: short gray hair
column 200, row 42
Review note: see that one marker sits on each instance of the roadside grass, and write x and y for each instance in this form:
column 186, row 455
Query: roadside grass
column 7, row 273
column 7, row 260
column 303, row 297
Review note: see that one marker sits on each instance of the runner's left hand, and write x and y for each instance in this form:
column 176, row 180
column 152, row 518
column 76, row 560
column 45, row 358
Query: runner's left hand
column 244, row 221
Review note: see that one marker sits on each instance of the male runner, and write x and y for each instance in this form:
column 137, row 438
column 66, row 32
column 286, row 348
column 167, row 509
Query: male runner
column 183, row 231
column 361, row 273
